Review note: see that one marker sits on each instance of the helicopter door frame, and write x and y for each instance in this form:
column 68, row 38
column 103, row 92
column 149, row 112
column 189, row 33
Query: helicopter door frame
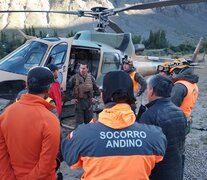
column 92, row 61
column 63, row 70
column 103, row 61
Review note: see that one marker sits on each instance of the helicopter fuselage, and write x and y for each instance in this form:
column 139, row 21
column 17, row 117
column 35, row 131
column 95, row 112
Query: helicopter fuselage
column 102, row 52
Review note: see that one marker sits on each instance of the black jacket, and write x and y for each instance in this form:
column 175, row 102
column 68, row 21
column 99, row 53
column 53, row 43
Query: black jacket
column 162, row 112
column 179, row 90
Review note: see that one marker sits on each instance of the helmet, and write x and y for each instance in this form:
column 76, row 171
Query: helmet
column 164, row 67
column 115, row 82
column 39, row 79
column 127, row 60
column 179, row 63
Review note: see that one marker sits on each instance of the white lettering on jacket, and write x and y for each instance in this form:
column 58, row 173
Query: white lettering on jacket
column 121, row 139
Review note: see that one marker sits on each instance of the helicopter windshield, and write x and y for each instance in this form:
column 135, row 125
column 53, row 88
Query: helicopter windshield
column 24, row 58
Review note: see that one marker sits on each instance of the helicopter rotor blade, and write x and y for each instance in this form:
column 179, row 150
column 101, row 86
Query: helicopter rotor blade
column 78, row 13
column 114, row 26
column 156, row 5
column 102, row 14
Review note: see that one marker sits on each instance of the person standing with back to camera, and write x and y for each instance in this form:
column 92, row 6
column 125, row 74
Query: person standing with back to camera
column 185, row 90
column 115, row 147
column 163, row 113
column 30, row 133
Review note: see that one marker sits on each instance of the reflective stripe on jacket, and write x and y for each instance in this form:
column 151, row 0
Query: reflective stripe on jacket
column 135, row 83
column 191, row 97
column 49, row 99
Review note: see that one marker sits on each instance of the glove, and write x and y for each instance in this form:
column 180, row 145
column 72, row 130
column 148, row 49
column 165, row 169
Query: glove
column 138, row 94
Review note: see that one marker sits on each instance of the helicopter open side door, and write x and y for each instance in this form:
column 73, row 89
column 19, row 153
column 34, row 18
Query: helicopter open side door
column 60, row 55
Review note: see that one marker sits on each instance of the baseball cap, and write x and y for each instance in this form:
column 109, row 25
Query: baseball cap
column 39, row 79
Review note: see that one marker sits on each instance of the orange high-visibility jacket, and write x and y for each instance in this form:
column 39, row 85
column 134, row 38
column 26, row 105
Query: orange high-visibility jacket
column 135, row 83
column 191, row 97
column 115, row 147
column 29, row 138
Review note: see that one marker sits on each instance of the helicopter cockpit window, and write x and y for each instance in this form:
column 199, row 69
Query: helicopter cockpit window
column 24, row 58
column 58, row 54
column 111, row 62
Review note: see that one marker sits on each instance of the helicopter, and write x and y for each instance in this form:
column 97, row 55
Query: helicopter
column 103, row 52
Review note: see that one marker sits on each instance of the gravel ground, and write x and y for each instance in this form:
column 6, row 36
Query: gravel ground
column 196, row 140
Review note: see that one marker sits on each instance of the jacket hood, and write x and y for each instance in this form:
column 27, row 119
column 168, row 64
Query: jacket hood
column 35, row 100
column 117, row 82
column 188, row 75
column 117, row 117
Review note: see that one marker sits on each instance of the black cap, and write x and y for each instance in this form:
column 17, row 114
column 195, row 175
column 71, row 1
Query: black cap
column 116, row 81
column 39, row 79
column 52, row 67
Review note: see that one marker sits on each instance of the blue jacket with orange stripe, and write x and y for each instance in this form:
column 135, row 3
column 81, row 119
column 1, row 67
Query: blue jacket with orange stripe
column 115, row 147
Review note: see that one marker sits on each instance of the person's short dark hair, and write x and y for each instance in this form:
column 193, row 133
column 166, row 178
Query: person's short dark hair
column 84, row 63
column 39, row 80
column 118, row 87
column 162, row 85
column 52, row 67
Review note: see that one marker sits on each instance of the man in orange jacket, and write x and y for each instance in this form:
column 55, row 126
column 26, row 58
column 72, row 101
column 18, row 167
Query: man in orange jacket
column 115, row 147
column 30, row 133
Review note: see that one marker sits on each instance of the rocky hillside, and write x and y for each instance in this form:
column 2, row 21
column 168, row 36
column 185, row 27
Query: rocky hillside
column 181, row 23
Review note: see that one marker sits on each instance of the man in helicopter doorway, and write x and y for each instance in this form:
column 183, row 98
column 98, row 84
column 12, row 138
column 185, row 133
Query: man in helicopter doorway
column 137, row 78
column 83, row 88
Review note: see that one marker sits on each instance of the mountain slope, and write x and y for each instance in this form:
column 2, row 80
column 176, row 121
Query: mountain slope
column 181, row 23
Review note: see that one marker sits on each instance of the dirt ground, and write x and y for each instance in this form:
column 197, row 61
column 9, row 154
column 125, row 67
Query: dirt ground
column 196, row 141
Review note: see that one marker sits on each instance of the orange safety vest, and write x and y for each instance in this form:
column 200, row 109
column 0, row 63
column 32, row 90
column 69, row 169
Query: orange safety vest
column 191, row 97
column 135, row 83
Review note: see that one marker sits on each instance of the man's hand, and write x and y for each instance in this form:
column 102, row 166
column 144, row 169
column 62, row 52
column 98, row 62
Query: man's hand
column 93, row 100
column 74, row 101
